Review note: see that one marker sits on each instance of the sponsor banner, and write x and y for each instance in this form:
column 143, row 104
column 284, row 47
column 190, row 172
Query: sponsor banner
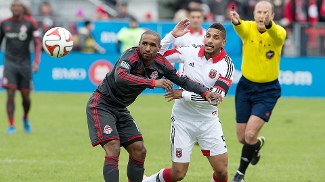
column 105, row 33
column 79, row 72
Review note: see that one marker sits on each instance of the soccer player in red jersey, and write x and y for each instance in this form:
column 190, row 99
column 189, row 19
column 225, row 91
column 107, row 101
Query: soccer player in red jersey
column 19, row 30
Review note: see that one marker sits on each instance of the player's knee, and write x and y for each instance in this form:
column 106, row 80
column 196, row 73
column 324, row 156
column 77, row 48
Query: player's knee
column 250, row 137
column 112, row 148
column 142, row 152
column 178, row 175
column 221, row 173
column 241, row 139
column 137, row 150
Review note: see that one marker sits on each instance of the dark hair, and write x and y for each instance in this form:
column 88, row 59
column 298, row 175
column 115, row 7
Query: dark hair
column 132, row 18
column 150, row 32
column 87, row 22
column 196, row 10
column 220, row 27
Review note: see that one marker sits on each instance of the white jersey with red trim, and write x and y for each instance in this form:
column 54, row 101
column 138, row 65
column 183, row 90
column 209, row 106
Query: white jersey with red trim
column 215, row 73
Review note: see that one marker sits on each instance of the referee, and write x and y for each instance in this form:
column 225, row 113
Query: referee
column 258, row 89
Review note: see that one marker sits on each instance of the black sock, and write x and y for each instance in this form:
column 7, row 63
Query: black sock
column 26, row 106
column 10, row 111
column 246, row 157
column 257, row 146
column 110, row 169
column 135, row 170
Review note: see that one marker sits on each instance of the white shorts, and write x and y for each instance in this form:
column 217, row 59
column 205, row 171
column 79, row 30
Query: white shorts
column 184, row 134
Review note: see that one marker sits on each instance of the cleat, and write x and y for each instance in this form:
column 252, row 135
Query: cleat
column 11, row 130
column 27, row 126
column 144, row 177
column 257, row 154
column 238, row 177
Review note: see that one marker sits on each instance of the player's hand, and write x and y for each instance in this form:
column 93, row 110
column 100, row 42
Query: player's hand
column 214, row 98
column 174, row 94
column 163, row 83
column 35, row 68
column 267, row 19
column 234, row 17
column 179, row 29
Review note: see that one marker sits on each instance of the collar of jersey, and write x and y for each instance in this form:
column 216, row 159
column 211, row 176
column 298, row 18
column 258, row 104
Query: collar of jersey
column 216, row 58
column 192, row 31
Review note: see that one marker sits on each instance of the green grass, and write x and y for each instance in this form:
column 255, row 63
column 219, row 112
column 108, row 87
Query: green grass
column 58, row 149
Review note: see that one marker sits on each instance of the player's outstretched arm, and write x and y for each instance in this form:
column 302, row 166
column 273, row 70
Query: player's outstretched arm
column 212, row 97
column 165, row 84
column 179, row 30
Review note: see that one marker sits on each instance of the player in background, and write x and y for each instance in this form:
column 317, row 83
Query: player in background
column 258, row 89
column 109, row 121
column 129, row 36
column 19, row 30
column 194, row 119
column 196, row 31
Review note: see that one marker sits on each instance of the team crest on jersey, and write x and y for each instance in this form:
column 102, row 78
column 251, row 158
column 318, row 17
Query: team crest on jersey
column 269, row 54
column 23, row 28
column 154, row 75
column 179, row 152
column 107, row 129
column 213, row 73
column 8, row 28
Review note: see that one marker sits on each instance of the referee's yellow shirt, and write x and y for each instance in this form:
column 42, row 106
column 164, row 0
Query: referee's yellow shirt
column 261, row 51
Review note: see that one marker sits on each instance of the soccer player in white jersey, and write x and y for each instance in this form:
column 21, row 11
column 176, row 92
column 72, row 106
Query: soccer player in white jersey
column 194, row 119
column 195, row 33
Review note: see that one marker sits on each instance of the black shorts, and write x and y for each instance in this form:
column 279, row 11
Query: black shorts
column 17, row 76
column 256, row 99
column 107, row 122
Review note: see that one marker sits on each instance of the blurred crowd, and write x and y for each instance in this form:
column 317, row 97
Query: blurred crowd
column 287, row 12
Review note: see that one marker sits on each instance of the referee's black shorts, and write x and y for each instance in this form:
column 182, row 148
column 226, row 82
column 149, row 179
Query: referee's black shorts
column 256, row 99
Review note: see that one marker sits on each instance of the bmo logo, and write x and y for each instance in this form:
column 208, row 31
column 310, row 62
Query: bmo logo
column 98, row 70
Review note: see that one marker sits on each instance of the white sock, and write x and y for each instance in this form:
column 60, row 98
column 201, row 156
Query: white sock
column 153, row 177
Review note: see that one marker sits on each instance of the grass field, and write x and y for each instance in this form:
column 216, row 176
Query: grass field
column 59, row 150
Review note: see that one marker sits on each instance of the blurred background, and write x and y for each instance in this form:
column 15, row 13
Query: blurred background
column 96, row 24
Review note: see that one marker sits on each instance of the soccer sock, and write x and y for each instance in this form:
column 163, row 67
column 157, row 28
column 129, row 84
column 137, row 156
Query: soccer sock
column 167, row 175
column 110, row 169
column 10, row 111
column 26, row 106
column 257, row 146
column 155, row 177
column 246, row 156
column 135, row 169
column 216, row 179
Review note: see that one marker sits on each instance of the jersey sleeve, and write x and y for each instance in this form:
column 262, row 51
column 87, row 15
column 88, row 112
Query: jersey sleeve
column 224, row 81
column 37, row 41
column 181, row 80
column 123, row 75
column 172, row 55
column 242, row 29
column 277, row 32
column 2, row 34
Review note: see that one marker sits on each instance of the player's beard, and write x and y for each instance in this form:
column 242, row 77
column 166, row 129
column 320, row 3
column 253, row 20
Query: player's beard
column 147, row 57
